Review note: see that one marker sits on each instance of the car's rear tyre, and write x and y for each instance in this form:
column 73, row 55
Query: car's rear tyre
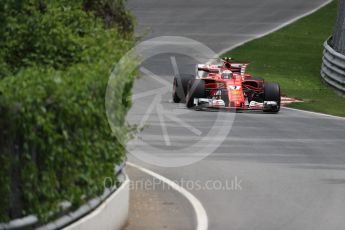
column 180, row 86
column 196, row 89
column 272, row 93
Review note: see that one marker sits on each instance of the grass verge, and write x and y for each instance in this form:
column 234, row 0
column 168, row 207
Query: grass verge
column 292, row 56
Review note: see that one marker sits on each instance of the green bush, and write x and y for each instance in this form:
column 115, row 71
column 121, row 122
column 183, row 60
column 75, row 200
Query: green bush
column 36, row 35
column 55, row 140
column 113, row 13
column 49, row 33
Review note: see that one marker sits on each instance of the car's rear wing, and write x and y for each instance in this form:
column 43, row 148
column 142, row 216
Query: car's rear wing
column 239, row 68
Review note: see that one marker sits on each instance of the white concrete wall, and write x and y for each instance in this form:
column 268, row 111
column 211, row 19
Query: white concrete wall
column 111, row 215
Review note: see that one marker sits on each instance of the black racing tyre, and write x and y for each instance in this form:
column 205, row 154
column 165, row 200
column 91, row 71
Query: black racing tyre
column 175, row 96
column 180, row 86
column 196, row 89
column 272, row 93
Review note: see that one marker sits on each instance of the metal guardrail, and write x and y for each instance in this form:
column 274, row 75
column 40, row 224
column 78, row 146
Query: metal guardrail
column 333, row 68
column 67, row 217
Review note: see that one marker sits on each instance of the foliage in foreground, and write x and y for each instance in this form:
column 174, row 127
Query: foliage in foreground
column 55, row 141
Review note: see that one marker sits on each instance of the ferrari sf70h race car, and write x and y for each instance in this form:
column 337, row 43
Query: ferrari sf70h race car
column 225, row 86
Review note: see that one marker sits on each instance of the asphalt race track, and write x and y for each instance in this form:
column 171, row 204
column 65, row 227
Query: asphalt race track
column 290, row 166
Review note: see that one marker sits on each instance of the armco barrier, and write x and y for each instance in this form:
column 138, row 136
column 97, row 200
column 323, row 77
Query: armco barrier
column 333, row 68
column 109, row 211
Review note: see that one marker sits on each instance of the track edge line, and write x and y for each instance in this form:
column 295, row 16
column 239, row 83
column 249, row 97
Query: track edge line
column 275, row 29
column 316, row 113
column 199, row 210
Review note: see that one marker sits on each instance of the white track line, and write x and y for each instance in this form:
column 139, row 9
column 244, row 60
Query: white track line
column 274, row 29
column 200, row 213
column 315, row 113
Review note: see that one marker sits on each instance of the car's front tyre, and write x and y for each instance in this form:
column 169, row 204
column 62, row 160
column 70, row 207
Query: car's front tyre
column 272, row 93
column 180, row 86
column 196, row 89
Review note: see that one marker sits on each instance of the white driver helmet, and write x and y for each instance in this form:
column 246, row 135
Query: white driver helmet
column 227, row 74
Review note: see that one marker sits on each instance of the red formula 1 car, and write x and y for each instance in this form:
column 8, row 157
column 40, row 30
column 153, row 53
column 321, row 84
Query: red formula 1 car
column 226, row 86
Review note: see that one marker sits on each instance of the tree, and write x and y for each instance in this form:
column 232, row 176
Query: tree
column 54, row 33
column 113, row 13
